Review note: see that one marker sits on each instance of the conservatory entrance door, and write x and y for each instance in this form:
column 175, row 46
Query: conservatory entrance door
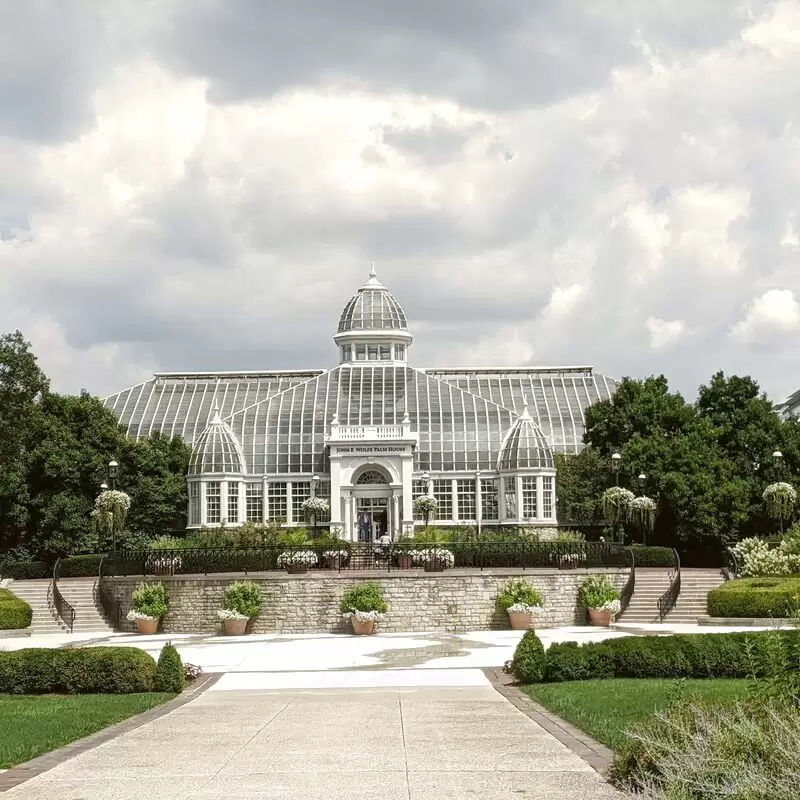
column 372, row 515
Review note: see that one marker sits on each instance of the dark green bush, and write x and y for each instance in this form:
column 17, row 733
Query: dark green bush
column 652, row 556
column 530, row 659
column 15, row 613
column 755, row 597
column 81, row 566
column 25, row 570
column 170, row 675
column 83, row 670
column 367, row 596
column 699, row 655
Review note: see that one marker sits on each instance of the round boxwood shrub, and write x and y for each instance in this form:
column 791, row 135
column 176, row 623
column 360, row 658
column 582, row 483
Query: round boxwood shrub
column 755, row 597
column 170, row 675
column 15, row 613
column 530, row 659
column 82, row 670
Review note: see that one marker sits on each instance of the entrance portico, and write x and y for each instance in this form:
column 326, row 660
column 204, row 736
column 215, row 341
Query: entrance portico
column 371, row 473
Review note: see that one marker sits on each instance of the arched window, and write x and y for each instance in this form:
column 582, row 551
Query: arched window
column 371, row 476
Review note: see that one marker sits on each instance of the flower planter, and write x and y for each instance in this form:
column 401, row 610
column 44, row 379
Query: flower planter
column 404, row 561
column 566, row 565
column 147, row 626
column 520, row 620
column 297, row 569
column 434, row 565
column 334, row 562
column 363, row 628
column 235, row 627
column 599, row 618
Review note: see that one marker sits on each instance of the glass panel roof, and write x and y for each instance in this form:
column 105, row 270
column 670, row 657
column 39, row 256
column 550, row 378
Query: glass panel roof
column 462, row 416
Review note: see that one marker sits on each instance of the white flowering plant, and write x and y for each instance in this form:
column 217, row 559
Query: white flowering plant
column 343, row 553
column 616, row 503
column 430, row 555
column 133, row 615
column 289, row 557
column 643, row 512
column 780, row 499
column 519, row 595
column 364, row 616
column 610, row 605
column 229, row 613
column 110, row 511
column 758, row 560
column 521, row 608
column 315, row 507
column 598, row 592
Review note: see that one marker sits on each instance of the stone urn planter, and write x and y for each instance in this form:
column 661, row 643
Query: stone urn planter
column 147, row 626
column 403, row 561
column 333, row 562
column 362, row 627
column 235, row 627
column 434, row 564
column 297, row 569
column 521, row 620
column 600, row 618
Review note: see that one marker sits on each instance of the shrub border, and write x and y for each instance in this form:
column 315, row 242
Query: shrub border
column 36, row 766
column 596, row 755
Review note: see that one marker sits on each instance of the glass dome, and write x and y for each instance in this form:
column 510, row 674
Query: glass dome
column 372, row 308
column 217, row 451
column 525, row 447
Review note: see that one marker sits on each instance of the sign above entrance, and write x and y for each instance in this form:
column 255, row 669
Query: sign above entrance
column 371, row 450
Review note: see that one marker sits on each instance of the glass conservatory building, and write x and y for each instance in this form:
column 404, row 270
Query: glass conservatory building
column 371, row 435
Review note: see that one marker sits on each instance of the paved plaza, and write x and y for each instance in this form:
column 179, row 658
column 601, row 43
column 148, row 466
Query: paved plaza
column 409, row 716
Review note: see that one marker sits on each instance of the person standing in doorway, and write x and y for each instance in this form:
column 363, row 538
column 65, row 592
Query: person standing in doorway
column 364, row 527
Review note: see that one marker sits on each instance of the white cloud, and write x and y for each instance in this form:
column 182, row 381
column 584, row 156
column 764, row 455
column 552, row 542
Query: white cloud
column 769, row 318
column 664, row 333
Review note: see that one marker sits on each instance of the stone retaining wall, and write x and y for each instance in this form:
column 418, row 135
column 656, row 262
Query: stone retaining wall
column 454, row 601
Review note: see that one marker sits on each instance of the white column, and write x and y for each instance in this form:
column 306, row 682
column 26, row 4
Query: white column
column 264, row 499
column 203, row 514
column 352, row 503
column 518, row 487
column 453, row 501
column 395, row 529
column 501, row 500
column 289, row 510
column 336, row 492
column 539, row 497
column 242, row 501
column 478, row 500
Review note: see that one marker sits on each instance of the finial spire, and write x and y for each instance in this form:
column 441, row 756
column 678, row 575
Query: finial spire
column 372, row 272
column 525, row 413
column 216, row 419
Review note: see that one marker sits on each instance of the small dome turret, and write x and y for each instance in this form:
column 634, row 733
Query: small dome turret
column 217, row 451
column 525, row 447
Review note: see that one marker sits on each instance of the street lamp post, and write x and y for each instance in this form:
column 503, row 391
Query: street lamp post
column 113, row 474
column 777, row 459
column 314, row 484
column 616, row 462
column 642, row 484
column 426, row 479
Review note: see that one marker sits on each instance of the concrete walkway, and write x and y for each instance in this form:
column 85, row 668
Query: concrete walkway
column 410, row 744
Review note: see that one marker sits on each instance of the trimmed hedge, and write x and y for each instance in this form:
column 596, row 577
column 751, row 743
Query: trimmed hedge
column 22, row 570
column 652, row 556
column 81, row 566
column 699, row 655
column 530, row 659
column 170, row 676
column 15, row 613
column 84, row 670
column 755, row 597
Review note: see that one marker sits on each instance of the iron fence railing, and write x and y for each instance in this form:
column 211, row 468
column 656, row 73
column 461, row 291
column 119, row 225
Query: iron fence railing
column 667, row 600
column 730, row 567
column 355, row 556
column 64, row 610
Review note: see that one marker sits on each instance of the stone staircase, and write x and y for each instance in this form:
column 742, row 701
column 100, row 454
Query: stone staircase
column 78, row 592
column 695, row 586
column 652, row 583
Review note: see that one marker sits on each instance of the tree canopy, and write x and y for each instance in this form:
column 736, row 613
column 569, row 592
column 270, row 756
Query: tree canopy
column 54, row 454
column 707, row 463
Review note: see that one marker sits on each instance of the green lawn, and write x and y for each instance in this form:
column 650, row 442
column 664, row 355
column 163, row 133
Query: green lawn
column 605, row 709
column 34, row 724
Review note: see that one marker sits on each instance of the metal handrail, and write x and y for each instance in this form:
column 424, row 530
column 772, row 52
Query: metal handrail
column 64, row 610
column 628, row 588
column 111, row 607
column 465, row 554
column 667, row 600
column 730, row 568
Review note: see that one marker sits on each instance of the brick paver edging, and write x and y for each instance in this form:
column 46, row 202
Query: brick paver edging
column 598, row 756
column 36, row 766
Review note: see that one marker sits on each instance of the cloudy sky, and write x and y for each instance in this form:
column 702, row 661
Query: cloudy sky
column 201, row 184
